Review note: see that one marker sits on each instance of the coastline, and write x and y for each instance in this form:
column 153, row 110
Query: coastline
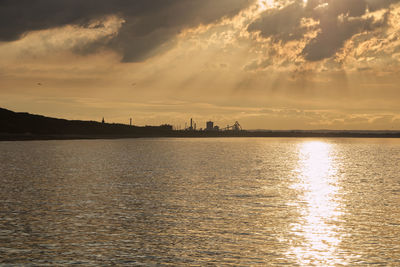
column 204, row 134
column 20, row 126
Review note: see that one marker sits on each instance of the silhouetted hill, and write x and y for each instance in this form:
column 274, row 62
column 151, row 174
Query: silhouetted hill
column 25, row 124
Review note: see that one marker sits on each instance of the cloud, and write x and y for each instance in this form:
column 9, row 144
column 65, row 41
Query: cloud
column 148, row 25
column 334, row 22
column 281, row 24
column 334, row 33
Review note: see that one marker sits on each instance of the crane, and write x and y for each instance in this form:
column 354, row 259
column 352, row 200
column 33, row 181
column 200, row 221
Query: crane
column 236, row 127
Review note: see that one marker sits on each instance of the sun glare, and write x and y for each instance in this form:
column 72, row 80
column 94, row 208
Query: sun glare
column 265, row 4
column 318, row 205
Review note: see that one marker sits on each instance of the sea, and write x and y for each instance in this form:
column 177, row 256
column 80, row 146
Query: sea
column 200, row 201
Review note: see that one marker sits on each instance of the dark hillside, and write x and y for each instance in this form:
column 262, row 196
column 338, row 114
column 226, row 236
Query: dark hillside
column 29, row 124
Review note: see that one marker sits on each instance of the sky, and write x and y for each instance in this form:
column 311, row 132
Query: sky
column 269, row 64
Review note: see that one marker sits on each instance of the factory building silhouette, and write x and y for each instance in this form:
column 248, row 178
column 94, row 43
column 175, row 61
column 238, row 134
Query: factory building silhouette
column 211, row 127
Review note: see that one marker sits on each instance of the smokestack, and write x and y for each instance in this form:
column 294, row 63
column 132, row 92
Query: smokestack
column 191, row 123
column 130, row 122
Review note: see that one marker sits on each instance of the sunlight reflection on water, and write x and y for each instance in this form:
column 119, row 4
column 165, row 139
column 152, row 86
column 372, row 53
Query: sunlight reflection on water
column 319, row 204
column 200, row 201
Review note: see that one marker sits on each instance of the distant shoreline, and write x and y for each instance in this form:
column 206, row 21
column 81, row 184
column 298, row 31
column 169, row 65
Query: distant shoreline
column 20, row 126
column 205, row 134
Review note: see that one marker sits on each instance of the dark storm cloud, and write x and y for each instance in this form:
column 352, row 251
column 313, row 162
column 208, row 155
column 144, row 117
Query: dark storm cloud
column 281, row 24
column 338, row 20
column 148, row 23
column 334, row 33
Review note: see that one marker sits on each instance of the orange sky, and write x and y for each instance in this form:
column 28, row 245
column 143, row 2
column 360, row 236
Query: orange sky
column 321, row 64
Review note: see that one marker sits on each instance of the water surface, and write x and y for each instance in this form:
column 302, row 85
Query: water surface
column 240, row 201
